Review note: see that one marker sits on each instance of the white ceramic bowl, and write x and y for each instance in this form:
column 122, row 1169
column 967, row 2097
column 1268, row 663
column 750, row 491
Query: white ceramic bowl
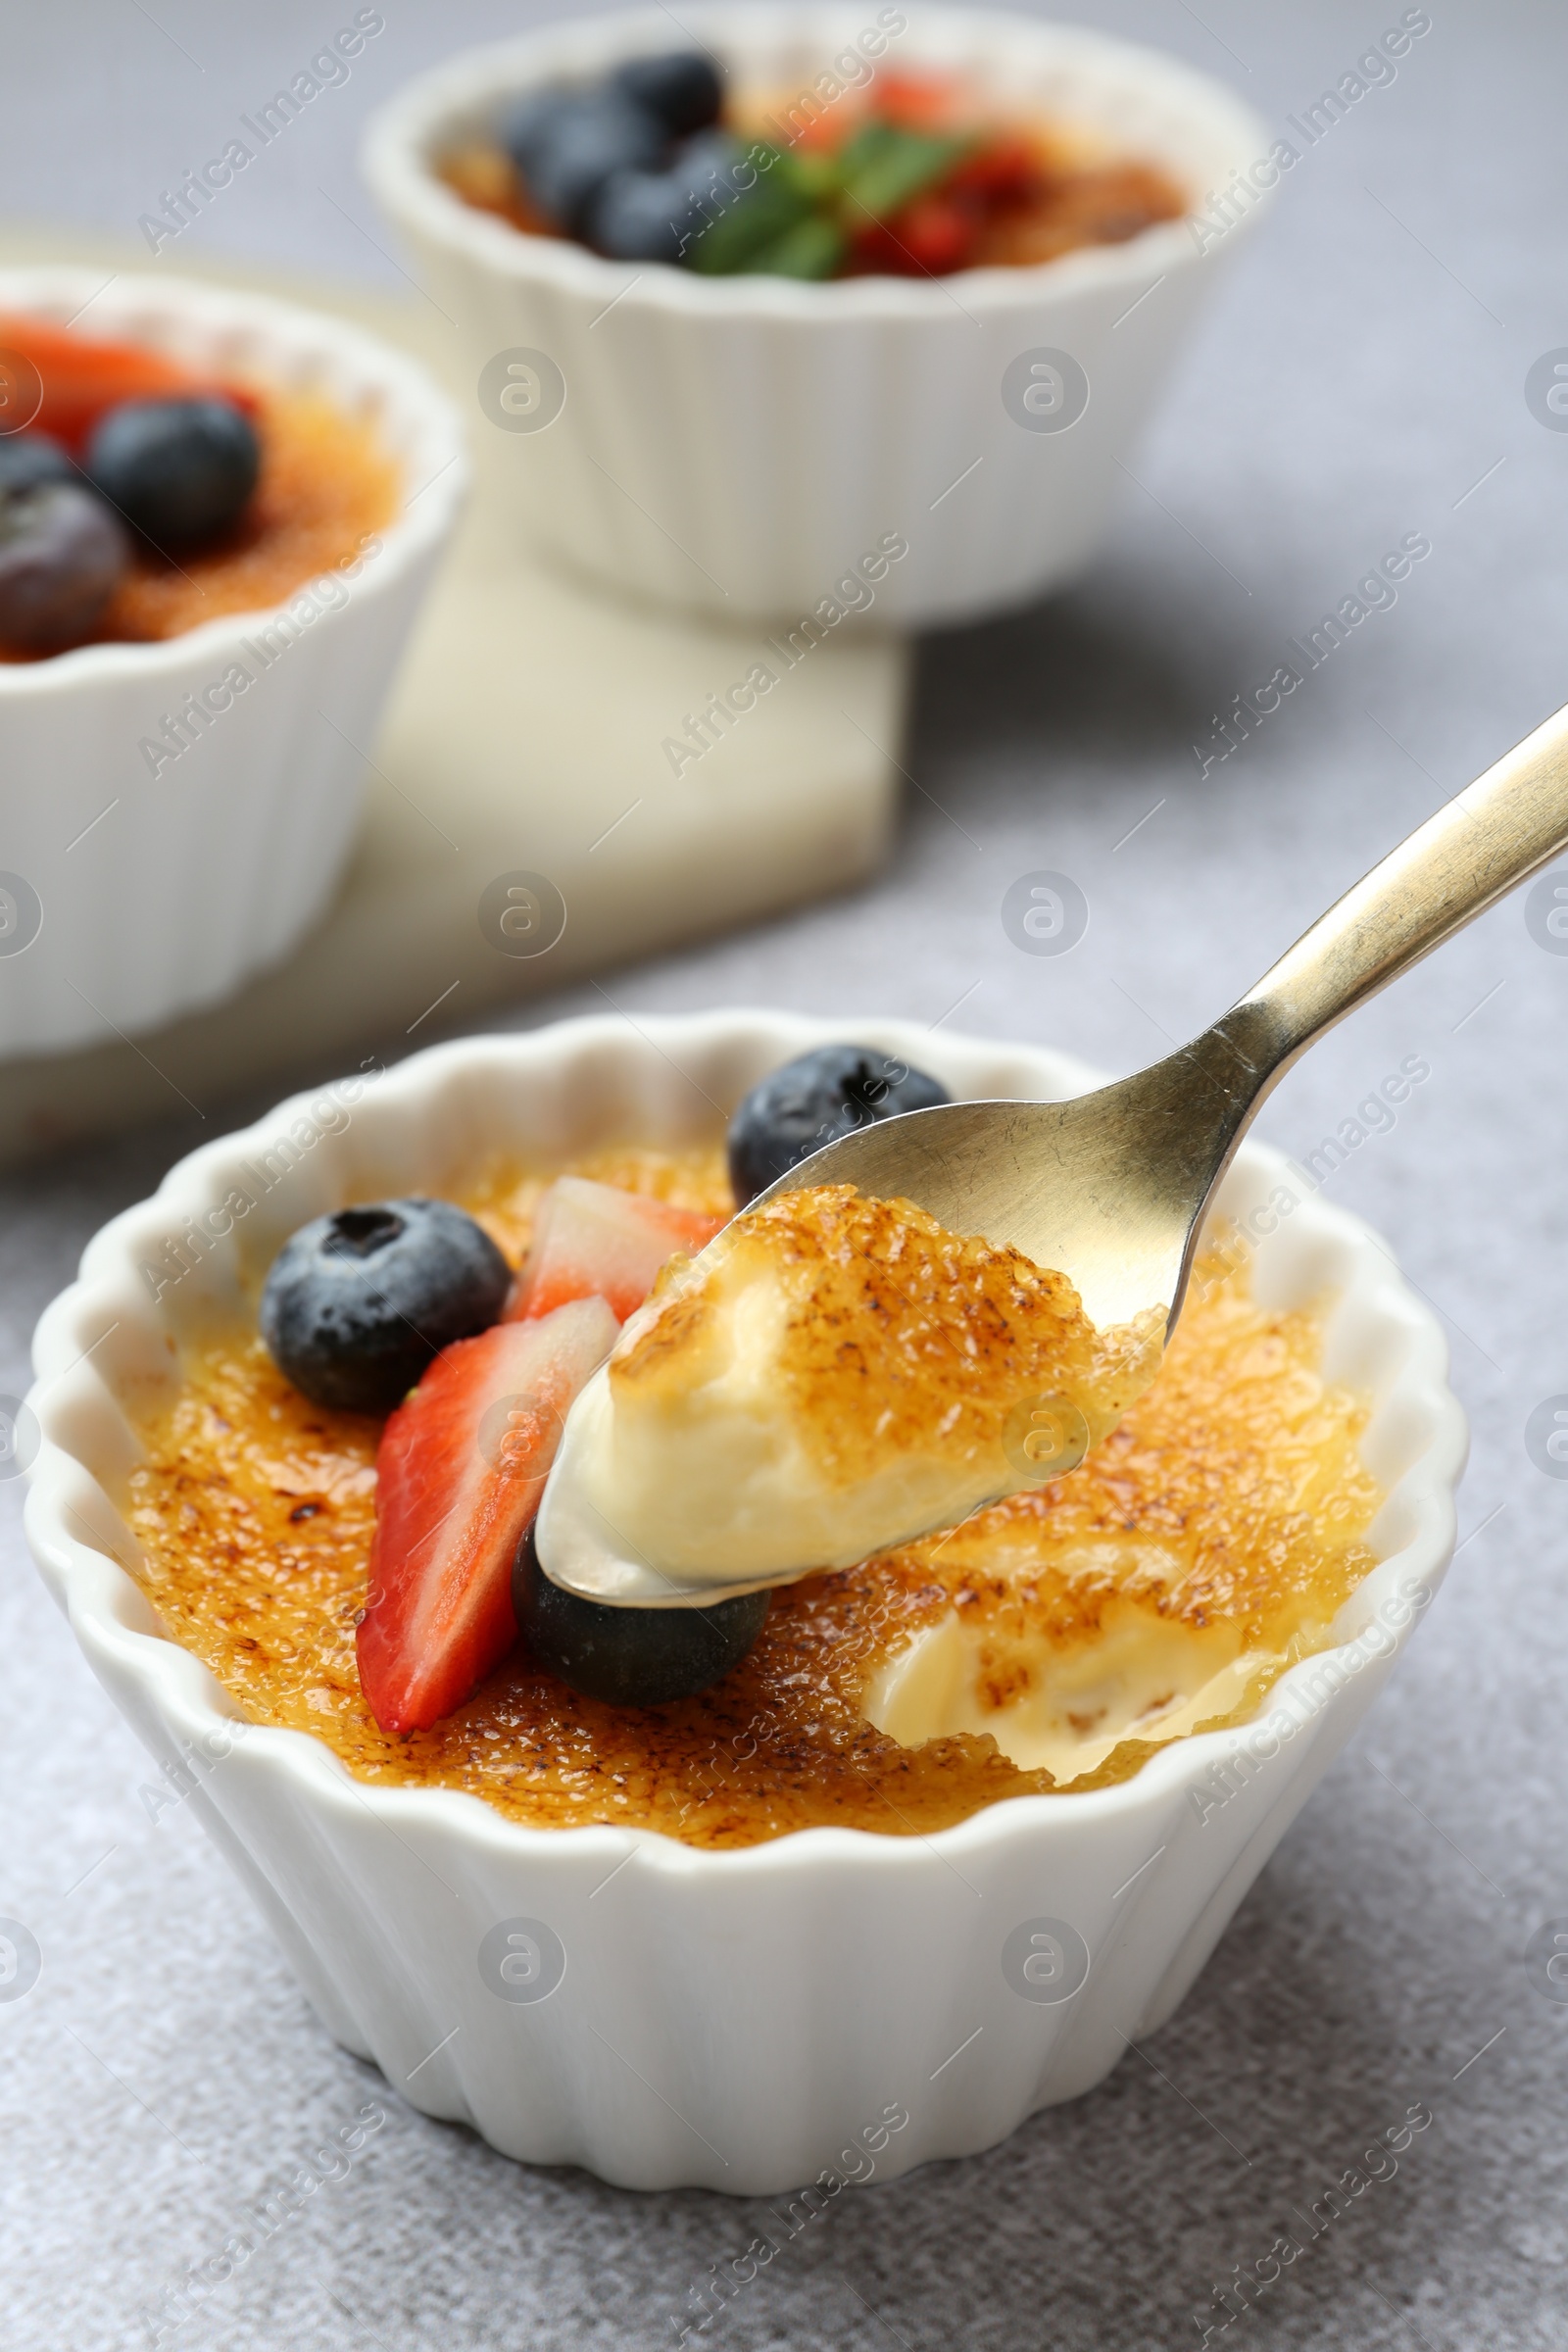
column 738, row 445
column 742, row 2020
column 152, row 886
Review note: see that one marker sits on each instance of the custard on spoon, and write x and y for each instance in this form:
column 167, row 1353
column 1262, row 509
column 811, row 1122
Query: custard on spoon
column 833, row 1374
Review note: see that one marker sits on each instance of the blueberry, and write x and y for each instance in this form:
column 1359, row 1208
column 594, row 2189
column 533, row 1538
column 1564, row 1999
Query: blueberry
column 814, row 1101
column 638, row 216
column 180, row 470
column 573, row 150
column 522, row 123
column 655, row 215
column 60, row 553
column 29, row 459
column 682, row 89
column 629, row 1657
column 356, row 1302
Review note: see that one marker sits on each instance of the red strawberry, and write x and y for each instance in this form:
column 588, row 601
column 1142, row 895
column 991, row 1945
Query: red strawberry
column 1004, row 169
column 596, row 1241
column 81, row 378
column 933, row 234
column 915, row 100
column 461, row 1466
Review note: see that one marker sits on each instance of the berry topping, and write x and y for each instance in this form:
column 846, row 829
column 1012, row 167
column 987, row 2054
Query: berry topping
column 814, row 1101
column 913, row 176
column 655, row 215
column 29, row 459
column 357, row 1303
column 60, row 553
column 682, row 89
column 180, row 470
column 596, row 1241
column 82, row 379
column 630, row 1658
column 638, row 216
column 460, row 1471
column 522, row 123
column 567, row 154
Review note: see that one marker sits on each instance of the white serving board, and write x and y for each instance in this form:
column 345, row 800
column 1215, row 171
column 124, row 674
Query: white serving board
column 527, row 732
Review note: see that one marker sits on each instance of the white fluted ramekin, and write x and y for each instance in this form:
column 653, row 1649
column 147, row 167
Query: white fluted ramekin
column 163, row 884
column 738, row 445
column 742, row 2020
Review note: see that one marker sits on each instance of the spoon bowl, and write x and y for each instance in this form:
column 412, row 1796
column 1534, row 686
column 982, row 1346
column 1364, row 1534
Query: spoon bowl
column 1113, row 1188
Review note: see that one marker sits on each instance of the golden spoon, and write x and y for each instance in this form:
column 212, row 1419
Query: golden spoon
column 1113, row 1188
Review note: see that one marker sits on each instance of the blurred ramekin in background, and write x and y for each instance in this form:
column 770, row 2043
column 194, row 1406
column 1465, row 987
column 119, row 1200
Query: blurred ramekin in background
column 130, row 895
column 736, row 443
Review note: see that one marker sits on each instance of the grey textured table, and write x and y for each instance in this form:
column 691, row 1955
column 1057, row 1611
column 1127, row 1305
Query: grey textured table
column 1361, row 377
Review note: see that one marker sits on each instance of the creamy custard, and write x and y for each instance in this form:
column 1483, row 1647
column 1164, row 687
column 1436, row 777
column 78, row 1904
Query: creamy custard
column 834, row 1374
column 1054, row 1639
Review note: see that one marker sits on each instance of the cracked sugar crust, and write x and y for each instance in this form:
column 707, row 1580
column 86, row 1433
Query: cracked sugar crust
column 1233, row 1492
column 897, row 1336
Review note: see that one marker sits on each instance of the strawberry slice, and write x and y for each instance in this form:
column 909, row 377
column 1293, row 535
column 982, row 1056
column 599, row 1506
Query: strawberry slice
column 461, row 1466
column 1004, row 169
column 931, row 234
column 61, row 382
column 916, row 101
column 596, row 1241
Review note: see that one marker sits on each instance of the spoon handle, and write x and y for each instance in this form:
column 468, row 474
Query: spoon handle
column 1500, row 829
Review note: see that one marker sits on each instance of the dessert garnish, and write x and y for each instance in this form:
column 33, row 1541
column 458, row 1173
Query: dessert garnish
column 178, row 471
column 76, row 378
column 630, row 1658
column 460, row 1471
column 810, row 1101
column 597, row 1240
column 62, row 552
column 356, row 1302
column 904, row 175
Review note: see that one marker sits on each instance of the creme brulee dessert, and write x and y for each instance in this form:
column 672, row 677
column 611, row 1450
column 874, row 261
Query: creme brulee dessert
column 1053, row 1639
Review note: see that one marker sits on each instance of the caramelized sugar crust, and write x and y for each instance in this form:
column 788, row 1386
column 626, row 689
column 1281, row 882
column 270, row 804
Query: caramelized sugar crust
column 1232, row 1490
column 901, row 1337
column 1104, row 206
